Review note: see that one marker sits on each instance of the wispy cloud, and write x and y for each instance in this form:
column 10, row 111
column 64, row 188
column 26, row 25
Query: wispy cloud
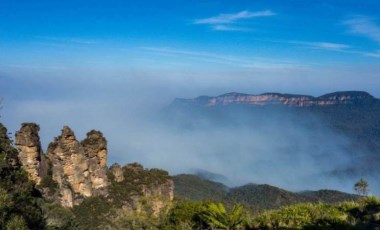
column 335, row 47
column 228, row 28
column 237, row 61
column 223, row 22
column 230, row 18
column 364, row 26
column 322, row 45
column 68, row 40
column 375, row 54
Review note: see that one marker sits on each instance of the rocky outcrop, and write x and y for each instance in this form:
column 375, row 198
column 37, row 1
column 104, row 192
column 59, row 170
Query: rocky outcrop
column 30, row 152
column 95, row 150
column 117, row 172
column 71, row 171
column 160, row 195
column 291, row 100
column 146, row 190
column 79, row 168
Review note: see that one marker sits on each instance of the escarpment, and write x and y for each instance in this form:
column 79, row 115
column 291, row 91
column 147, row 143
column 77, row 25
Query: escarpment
column 290, row 100
column 73, row 170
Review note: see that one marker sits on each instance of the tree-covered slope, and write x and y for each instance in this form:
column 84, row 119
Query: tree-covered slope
column 192, row 187
column 252, row 196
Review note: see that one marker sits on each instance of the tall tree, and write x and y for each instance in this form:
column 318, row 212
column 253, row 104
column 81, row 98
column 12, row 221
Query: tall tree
column 362, row 187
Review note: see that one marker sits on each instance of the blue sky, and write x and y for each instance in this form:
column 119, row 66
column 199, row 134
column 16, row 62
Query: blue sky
column 202, row 34
column 110, row 65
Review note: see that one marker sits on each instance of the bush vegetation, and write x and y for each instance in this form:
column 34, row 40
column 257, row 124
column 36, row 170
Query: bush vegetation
column 19, row 200
column 363, row 214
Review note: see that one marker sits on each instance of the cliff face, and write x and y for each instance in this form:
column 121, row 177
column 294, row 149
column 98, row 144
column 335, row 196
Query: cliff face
column 338, row 98
column 79, row 168
column 71, row 171
column 30, row 152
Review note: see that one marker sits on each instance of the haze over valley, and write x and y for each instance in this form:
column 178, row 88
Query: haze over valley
column 170, row 114
column 119, row 66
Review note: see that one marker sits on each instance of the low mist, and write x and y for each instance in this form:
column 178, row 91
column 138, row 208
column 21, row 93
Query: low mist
column 283, row 149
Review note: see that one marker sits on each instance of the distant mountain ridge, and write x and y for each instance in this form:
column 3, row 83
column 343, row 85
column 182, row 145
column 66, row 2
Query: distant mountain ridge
column 351, row 115
column 291, row 100
column 254, row 196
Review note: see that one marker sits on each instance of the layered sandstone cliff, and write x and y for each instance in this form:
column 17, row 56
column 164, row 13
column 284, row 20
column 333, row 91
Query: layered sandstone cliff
column 291, row 100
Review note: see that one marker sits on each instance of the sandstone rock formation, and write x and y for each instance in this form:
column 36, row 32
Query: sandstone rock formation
column 79, row 168
column 30, row 152
column 72, row 170
column 95, row 150
column 338, row 98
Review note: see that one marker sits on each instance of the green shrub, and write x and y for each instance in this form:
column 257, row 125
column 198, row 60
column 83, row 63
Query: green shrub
column 94, row 213
column 17, row 223
column 136, row 221
column 303, row 216
column 184, row 213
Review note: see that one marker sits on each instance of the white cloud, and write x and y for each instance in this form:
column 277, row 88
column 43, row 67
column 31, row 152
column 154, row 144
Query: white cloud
column 230, row 18
column 328, row 45
column 323, row 45
column 336, row 47
column 364, row 26
column 373, row 54
column 228, row 28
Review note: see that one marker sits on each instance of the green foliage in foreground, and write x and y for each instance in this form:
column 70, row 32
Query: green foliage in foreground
column 302, row 216
column 216, row 216
column 364, row 214
column 205, row 215
column 347, row 215
column 98, row 213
